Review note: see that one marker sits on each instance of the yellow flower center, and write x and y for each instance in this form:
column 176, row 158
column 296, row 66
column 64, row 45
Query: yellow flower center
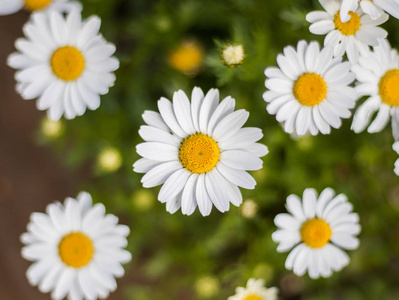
column 199, row 153
column 34, row 5
column 253, row 297
column 67, row 63
column 315, row 233
column 310, row 89
column 350, row 27
column 76, row 250
column 389, row 87
column 187, row 58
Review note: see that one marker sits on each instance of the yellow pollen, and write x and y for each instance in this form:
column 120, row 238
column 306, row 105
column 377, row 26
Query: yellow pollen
column 310, row 89
column 76, row 250
column 253, row 297
column 187, row 58
column 34, row 5
column 350, row 27
column 67, row 63
column 315, row 233
column 389, row 87
column 199, row 153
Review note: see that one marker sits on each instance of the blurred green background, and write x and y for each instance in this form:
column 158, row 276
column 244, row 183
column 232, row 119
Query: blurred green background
column 180, row 257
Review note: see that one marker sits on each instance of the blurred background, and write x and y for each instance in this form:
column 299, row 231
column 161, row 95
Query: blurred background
column 164, row 46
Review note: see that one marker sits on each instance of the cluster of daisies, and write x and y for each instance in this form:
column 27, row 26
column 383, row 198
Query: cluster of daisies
column 313, row 89
column 196, row 147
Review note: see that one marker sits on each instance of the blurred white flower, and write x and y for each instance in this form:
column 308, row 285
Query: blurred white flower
column 317, row 228
column 255, row 290
column 8, row 7
column 64, row 62
column 76, row 249
column 310, row 90
column 352, row 37
column 378, row 77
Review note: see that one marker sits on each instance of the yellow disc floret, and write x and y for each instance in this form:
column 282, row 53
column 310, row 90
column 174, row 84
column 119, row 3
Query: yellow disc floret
column 34, row 5
column 310, row 89
column 187, row 58
column 199, row 153
column 389, row 87
column 315, row 233
column 76, row 249
column 253, row 297
column 350, row 27
column 67, row 63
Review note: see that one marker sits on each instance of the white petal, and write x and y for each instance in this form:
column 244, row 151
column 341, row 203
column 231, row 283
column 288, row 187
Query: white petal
column 153, row 118
column 166, row 109
column 159, row 174
column 294, row 206
column 182, row 110
column 203, row 199
column 216, row 189
column 309, row 203
column 237, row 177
column 230, row 124
column 157, row 151
column 241, row 160
column 188, row 202
column 173, row 185
column 197, row 97
column 154, row 134
column 208, row 107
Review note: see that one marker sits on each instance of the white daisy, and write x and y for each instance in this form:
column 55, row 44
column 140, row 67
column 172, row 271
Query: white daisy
column 373, row 8
column 309, row 91
column 378, row 77
column 8, row 7
column 64, row 62
column 353, row 37
column 76, row 249
column 317, row 228
column 255, row 290
column 395, row 147
column 199, row 152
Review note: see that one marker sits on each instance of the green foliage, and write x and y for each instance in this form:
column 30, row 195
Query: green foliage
column 173, row 253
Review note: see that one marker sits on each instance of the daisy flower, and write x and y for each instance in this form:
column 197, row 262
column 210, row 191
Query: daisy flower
column 8, row 7
column 317, row 228
column 64, row 62
column 374, row 8
column 198, row 152
column 255, row 290
column 395, row 147
column 378, row 77
column 309, row 91
column 76, row 249
column 353, row 37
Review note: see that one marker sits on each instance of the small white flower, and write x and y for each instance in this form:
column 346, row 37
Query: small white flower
column 76, row 249
column 317, row 228
column 64, row 62
column 373, row 8
column 353, row 37
column 395, row 147
column 233, row 55
column 309, row 91
column 255, row 290
column 198, row 151
column 8, row 7
column 378, row 77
